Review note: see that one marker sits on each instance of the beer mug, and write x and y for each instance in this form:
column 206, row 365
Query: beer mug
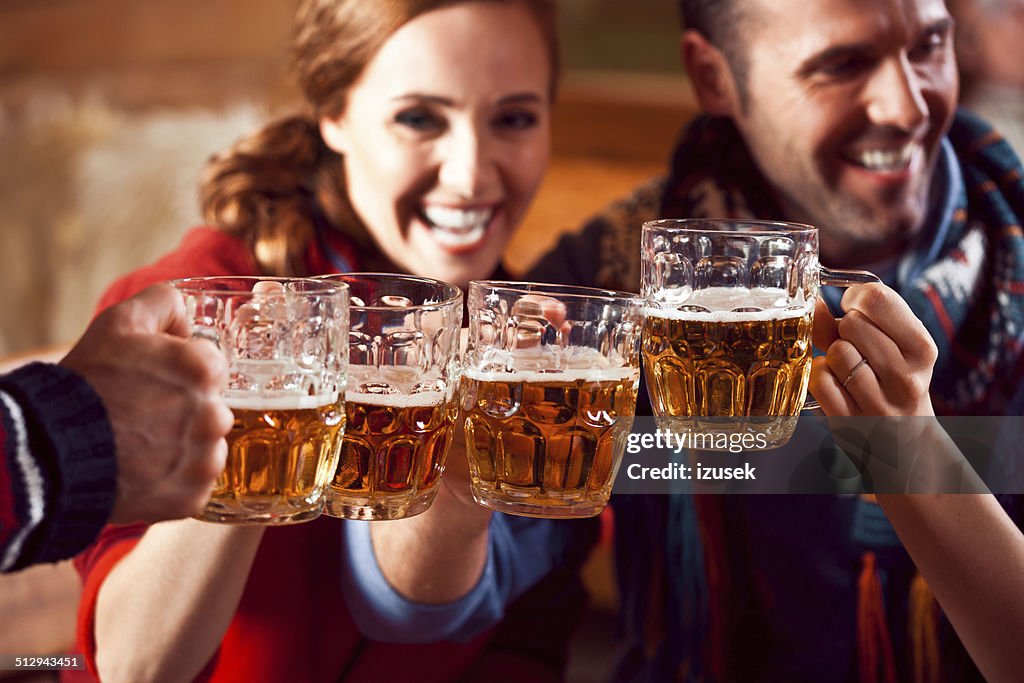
column 401, row 401
column 727, row 330
column 548, row 391
column 284, row 342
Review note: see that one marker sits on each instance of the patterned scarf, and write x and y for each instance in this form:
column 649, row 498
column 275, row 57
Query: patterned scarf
column 970, row 298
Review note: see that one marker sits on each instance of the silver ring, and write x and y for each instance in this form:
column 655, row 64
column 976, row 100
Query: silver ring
column 863, row 361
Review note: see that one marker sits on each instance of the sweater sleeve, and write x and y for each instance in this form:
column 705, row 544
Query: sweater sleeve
column 521, row 551
column 58, row 468
column 605, row 251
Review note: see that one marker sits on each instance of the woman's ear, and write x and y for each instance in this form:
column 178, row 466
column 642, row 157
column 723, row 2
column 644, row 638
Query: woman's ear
column 709, row 71
column 335, row 134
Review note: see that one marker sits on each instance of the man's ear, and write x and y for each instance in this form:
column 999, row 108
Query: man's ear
column 709, row 71
column 335, row 134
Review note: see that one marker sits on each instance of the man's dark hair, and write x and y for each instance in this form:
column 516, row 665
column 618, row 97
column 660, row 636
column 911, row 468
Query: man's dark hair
column 722, row 23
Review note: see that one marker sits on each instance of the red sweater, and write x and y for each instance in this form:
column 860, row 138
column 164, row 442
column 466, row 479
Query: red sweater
column 292, row 623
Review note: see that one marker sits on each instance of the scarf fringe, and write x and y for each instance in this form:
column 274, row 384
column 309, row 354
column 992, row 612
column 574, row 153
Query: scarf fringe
column 874, row 645
column 924, row 632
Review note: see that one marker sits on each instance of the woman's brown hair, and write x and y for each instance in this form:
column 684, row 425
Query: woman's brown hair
column 272, row 187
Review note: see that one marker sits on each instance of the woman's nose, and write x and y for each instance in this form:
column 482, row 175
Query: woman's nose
column 466, row 166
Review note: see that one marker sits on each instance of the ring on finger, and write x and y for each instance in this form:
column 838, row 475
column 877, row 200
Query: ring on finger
column 854, row 371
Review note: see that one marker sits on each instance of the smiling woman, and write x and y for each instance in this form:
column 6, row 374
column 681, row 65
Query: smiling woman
column 425, row 139
column 422, row 151
column 441, row 164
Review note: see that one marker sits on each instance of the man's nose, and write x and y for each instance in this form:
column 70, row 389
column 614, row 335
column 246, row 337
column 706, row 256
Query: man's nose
column 895, row 96
column 466, row 163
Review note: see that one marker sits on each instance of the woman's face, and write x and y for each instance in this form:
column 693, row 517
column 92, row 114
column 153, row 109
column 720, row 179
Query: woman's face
column 445, row 137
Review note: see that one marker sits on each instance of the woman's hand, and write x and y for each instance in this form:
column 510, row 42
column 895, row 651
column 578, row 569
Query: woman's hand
column 878, row 357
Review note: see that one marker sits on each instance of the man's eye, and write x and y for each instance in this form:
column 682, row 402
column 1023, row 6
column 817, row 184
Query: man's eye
column 516, row 120
column 933, row 44
column 846, row 67
column 418, row 120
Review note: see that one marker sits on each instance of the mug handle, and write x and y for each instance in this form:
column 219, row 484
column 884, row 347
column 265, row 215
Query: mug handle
column 840, row 278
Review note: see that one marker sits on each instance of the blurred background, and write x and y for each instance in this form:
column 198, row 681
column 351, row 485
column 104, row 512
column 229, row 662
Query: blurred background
column 109, row 108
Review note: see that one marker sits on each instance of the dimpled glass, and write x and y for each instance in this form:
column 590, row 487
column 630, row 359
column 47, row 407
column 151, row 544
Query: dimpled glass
column 284, row 343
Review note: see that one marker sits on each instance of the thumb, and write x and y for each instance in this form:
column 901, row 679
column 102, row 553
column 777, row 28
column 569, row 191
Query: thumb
column 826, row 329
column 159, row 308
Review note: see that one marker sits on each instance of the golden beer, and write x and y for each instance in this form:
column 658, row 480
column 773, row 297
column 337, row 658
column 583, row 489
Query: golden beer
column 392, row 456
column 281, row 455
column 748, row 366
column 547, row 444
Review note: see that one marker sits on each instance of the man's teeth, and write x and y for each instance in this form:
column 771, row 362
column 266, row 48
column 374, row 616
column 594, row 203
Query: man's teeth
column 886, row 159
column 457, row 227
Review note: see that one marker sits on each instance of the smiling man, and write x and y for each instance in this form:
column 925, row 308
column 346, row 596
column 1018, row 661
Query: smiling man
column 843, row 107
column 840, row 114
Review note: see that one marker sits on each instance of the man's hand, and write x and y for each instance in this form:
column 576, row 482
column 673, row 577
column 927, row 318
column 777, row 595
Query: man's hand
column 878, row 327
column 161, row 391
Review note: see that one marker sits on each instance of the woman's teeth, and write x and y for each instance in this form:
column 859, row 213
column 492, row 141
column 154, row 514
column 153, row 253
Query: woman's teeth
column 457, row 227
column 885, row 160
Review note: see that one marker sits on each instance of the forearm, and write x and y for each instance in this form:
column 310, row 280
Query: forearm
column 438, row 556
column 163, row 610
column 972, row 556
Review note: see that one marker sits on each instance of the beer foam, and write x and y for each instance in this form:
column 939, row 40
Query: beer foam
column 571, row 375
column 720, row 304
column 420, row 399
column 241, row 400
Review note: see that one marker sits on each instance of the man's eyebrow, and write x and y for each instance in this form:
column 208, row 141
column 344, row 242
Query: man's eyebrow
column 839, row 52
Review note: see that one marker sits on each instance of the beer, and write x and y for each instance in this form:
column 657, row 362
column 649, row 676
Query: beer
column 748, row 364
column 547, row 443
column 392, row 455
column 282, row 452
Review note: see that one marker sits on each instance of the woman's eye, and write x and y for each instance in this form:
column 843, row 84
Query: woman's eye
column 517, row 120
column 419, row 120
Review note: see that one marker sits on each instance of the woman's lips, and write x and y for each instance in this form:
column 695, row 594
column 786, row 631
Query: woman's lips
column 458, row 230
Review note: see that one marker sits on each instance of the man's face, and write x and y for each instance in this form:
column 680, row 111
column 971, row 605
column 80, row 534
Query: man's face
column 847, row 103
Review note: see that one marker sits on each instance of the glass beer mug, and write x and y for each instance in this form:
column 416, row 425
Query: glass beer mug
column 284, row 340
column 729, row 308
column 401, row 400
column 548, row 395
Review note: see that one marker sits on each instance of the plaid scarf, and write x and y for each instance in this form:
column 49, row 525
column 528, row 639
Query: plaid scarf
column 970, row 298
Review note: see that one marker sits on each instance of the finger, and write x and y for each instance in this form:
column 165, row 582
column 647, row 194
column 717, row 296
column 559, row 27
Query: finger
column 825, row 329
column 827, row 391
column 855, row 379
column 886, row 359
column 159, row 308
column 210, row 364
column 886, row 309
column 206, row 449
column 547, row 307
column 268, row 287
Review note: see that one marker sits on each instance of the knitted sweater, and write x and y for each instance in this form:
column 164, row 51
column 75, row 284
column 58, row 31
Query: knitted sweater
column 58, row 470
